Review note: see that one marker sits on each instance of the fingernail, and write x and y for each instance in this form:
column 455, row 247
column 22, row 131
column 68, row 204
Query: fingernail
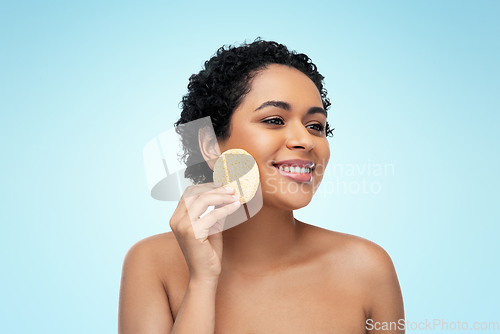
column 230, row 189
column 217, row 184
column 237, row 203
column 236, row 197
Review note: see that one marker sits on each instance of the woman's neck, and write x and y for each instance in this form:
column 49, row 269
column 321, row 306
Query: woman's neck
column 264, row 242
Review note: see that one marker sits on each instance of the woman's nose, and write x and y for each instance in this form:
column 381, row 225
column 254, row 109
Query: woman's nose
column 298, row 137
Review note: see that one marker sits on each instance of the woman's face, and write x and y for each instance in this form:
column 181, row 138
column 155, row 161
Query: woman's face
column 282, row 118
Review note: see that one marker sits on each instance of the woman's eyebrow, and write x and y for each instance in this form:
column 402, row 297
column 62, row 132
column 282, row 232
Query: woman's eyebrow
column 286, row 106
column 277, row 104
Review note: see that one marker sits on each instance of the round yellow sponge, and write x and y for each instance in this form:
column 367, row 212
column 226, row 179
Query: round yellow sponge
column 238, row 169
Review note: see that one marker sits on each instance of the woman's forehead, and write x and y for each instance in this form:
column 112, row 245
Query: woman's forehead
column 283, row 83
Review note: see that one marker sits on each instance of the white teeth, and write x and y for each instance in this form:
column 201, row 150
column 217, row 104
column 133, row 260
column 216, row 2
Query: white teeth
column 298, row 170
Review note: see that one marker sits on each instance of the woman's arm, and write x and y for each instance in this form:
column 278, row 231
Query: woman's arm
column 197, row 312
column 386, row 301
column 144, row 305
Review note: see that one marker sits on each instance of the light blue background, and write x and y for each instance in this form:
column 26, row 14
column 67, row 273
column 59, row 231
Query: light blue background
column 84, row 86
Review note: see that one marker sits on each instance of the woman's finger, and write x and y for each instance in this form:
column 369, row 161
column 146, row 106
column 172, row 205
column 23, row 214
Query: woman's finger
column 189, row 196
column 192, row 195
column 204, row 201
column 214, row 219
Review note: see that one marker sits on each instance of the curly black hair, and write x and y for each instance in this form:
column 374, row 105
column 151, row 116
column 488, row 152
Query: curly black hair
column 220, row 87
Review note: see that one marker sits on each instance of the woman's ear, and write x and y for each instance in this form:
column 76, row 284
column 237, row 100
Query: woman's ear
column 209, row 146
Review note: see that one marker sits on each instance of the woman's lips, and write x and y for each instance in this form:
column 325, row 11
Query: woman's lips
column 297, row 177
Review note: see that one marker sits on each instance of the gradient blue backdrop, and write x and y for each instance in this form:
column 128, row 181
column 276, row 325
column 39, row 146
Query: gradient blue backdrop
column 84, row 86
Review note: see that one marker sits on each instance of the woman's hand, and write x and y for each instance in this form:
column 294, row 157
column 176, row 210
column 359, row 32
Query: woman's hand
column 199, row 238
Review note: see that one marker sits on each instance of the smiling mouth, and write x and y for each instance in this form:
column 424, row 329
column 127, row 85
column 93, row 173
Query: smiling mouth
column 294, row 169
column 296, row 173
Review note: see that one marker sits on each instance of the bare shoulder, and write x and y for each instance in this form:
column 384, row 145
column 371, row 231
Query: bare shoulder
column 359, row 255
column 155, row 243
column 154, row 254
column 362, row 267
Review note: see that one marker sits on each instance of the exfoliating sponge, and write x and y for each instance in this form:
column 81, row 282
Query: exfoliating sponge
column 238, row 169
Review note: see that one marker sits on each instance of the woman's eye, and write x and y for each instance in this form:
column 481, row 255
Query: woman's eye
column 274, row 120
column 278, row 121
column 319, row 127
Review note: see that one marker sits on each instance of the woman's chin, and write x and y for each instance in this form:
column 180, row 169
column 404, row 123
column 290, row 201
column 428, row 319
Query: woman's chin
column 288, row 201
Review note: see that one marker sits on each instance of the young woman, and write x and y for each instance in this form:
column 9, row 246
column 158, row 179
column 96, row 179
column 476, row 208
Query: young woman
column 271, row 273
